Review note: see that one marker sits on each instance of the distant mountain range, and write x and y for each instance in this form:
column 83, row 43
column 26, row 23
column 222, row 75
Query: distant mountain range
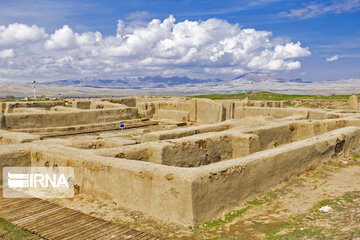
column 131, row 83
column 184, row 86
column 169, row 82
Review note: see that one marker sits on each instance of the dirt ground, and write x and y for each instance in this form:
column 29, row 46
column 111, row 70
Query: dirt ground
column 323, row 203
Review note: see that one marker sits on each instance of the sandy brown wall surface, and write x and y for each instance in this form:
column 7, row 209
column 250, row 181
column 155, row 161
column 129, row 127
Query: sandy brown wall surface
column 14, row 156
column 56, row 119
column 222, row 186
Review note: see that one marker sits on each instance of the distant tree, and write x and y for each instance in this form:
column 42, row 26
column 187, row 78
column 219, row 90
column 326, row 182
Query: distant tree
column 10, row 97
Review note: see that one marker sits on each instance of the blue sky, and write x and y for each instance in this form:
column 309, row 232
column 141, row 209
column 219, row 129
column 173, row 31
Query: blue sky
column 326, row 28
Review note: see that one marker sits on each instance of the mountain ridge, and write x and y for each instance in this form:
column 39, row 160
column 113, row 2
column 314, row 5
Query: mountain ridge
column 168, row 82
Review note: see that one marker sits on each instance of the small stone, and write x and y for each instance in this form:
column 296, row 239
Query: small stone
column 169, row 177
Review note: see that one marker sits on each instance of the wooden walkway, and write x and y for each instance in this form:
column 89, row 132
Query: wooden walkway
column 77, row 132
column 55, row 222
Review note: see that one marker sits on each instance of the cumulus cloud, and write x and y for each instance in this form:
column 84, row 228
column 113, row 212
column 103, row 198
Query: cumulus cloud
column 212, row 44
column 333, row 58
column 16, row 34
column 323, row 7
column 276, row 59
column 165, row 47
column 65, row 38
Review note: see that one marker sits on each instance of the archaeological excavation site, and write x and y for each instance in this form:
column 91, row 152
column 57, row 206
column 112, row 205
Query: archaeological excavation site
column 177, row 160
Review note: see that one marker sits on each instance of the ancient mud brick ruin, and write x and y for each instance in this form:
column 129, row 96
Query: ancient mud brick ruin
column 181, row 160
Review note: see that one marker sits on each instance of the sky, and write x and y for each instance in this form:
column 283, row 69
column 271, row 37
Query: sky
column 50, row 40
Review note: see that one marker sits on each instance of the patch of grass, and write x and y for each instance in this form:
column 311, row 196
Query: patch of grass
column 10, row 231
column 356, row 232
column 217, row 222
column 331, row 203
column 336, row 204
column 349, row 197
column 338, row 165
column 225, row 237
column 272, row 230
column 287, row 230
column 266, row 198
column 134, row 216
column 22, row 100
column 263, row 95
column 230, row 216
column 295, row 229
column 316, row 174
column 299, row 219
column 288, row 104
column 345, row 164
column 340, row 208
column 271, row 196
column 299, row 226
column 255, row 202
column 300, row 234
column 255, row 224
column 297, row 180
column 356, row 156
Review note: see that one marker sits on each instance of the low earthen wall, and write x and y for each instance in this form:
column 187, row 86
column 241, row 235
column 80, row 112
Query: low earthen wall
column 187, row 196
column 57, row 119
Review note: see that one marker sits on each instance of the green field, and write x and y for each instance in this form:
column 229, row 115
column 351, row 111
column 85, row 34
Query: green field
column 271, row 96
column 21, row 100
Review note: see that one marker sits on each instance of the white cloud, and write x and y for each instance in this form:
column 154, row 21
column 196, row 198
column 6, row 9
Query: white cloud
column 317, row 9
column 211, row 48
column 65, row 38
column 7, row 53
column 17, row 34
column 120, row 28
column 276, row 59
column 213, row 43
column 333, row 58
column 62, row 39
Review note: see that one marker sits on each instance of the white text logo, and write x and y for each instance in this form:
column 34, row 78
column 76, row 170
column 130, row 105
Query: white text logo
column 42, row 182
